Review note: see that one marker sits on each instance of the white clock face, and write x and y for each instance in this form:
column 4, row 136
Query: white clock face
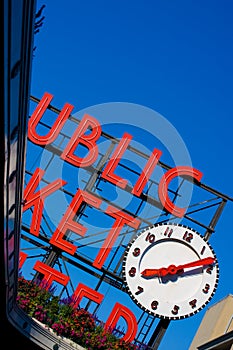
column 170, row 271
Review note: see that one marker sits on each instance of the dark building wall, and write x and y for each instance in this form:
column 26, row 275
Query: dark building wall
column 17, row 21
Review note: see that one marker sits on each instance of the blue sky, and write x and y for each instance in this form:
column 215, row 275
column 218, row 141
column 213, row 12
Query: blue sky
column 174, row 57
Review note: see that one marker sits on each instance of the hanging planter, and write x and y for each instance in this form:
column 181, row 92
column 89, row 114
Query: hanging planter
column 71, row 326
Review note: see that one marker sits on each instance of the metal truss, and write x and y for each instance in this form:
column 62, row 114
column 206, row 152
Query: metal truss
column 203, row 214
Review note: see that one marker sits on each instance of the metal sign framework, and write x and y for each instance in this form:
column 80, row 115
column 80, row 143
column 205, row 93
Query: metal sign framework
column 207, row 200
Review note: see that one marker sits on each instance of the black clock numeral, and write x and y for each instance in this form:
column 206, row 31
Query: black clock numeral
column 193, row 303
column 188, row 236
column 132, row 271
column 209, row 270
column 154, row 304
column 206, row 288
column 203, row 249
column 150, row 237
column 175, row 310
column 136, row 252
column 168, row 232
column 139, row 291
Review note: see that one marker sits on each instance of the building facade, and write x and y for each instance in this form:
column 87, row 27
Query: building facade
column 216, row 329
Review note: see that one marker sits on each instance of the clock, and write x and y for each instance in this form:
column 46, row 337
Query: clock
column 170, row 271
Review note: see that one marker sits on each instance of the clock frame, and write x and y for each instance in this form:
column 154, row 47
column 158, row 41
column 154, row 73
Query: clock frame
column 179, row 293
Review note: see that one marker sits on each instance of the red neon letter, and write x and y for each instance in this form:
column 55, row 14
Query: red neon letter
column 50, row 275
column 22, row 258
column 67, row 222
column 83, row 291
column 57, row 126
column 146, row 173
column 121, row 219
column 167, row 178
column 107, row 173
column 88, row 141
column 122, row 311
column 37, row 199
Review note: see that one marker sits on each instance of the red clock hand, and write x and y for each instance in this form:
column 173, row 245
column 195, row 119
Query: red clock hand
column 201, row 262
column 173, row 269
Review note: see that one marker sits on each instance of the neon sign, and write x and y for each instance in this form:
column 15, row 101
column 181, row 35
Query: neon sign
column 87, row 135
